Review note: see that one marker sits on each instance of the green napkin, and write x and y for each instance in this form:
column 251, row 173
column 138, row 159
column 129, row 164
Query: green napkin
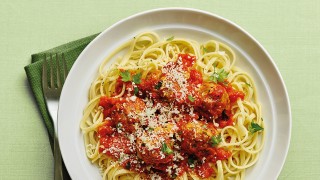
column 71, row 52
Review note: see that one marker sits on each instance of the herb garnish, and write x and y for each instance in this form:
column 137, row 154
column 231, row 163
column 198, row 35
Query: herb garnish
column 248, row 84
column 254, row 127
column 158, row 86
column 174, row 176
column 119, row 125
column 170, row 38
column 215, row 140
column 204, row 50
column 135, row 90
column 165, row 149
column 191, row 98
column 137, row 78
column 219, row 76
column 128, row 166
column 191, row 161
column 126, row 76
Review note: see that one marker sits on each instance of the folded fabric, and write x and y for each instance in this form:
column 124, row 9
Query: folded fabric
column 71, row 52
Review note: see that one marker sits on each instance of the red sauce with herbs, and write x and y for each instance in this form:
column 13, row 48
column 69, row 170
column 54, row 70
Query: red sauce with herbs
column 166, row 124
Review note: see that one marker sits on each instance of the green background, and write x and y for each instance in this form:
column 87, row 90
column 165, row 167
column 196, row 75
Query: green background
column 288, row 29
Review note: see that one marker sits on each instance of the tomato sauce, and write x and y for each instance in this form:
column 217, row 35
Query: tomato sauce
column 234, row 94
column 166, row 124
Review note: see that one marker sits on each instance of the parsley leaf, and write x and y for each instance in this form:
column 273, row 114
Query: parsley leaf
column 128, row 166
column 135, row 91
column 158, row 86
column 219, row 76
column 191, row 98
column 215, row 140
column 119, row 125
column 174, row 176
column 170, row 38
column 205, row 50
column 191, row 161
column 248, row 84
column 166, row 149
column 254, row 127
column 137, row 78
column 126, row 76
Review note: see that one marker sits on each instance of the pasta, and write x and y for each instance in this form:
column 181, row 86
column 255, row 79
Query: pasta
column 172, row 109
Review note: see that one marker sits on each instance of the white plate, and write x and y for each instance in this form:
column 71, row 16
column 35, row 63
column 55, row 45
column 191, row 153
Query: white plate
column 193, row 24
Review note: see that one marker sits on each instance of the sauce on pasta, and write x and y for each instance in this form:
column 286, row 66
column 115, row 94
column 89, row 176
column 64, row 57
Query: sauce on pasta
column 171, row 115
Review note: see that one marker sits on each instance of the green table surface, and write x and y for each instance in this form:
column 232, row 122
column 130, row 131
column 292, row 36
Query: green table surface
column 288, row 29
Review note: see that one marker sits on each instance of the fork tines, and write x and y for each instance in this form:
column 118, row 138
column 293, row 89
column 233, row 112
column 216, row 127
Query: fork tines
column 54, row 65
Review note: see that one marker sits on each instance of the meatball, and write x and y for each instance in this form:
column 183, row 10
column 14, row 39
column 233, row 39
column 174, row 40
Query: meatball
column 174, row 83
column 155, row 147
column 215, row 100
column 116, row 145
column 122, row 111
column 171, row 90
column 196, row 135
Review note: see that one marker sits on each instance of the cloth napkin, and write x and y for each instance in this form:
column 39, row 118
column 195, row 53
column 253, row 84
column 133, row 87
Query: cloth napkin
column 71, row 52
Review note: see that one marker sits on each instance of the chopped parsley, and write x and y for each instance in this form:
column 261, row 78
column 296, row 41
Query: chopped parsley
column 128, row 166
column 191, row 161
column 125, row 75
column 191, row 98
column 219, row 76
column 119, row 125
column 174, row 176
column 137, row 78
column 205, row 50
column 158, row 86
column 248, row 84
column 165, row 149
column 170, row 38
column 135, row 90
column 215, row 140
column 254, row 127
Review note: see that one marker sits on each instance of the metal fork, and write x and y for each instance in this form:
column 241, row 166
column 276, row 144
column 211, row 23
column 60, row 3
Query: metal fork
column 51, row 92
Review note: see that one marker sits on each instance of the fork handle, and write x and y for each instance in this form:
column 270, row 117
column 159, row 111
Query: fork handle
column 57, row 160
